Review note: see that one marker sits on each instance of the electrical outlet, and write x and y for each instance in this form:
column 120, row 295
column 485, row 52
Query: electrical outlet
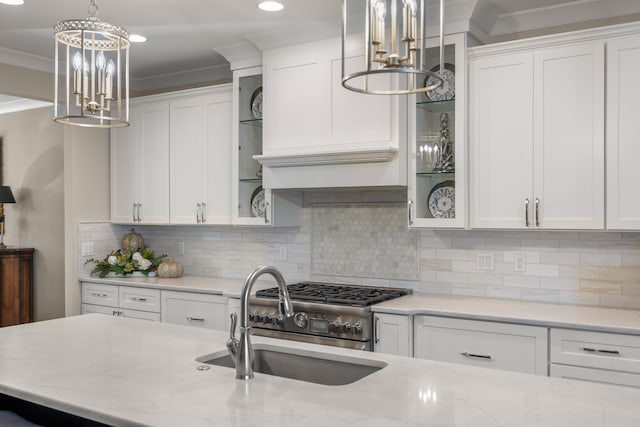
column 283, row 252
column 180, row 248
column 87, row 248
column 520, row 262
column 484, row 261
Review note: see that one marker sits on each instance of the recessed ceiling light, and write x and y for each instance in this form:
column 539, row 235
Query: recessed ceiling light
column 137, row 38
column 12, row 2
column 270, row 6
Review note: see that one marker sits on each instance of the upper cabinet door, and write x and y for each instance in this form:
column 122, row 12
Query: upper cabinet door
column 501, row 140
column 537, row 138
column 569, row 137
column 124, row 178
column 623, row 133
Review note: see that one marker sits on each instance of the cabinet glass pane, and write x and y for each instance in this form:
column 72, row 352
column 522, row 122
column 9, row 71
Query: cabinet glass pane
column 435, row 142
column 249, row 144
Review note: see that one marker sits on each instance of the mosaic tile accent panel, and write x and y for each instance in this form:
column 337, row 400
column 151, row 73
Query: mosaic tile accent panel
column 363, row 240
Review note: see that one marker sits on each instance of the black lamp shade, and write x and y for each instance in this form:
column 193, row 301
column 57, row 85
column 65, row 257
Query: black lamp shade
column 6, row 196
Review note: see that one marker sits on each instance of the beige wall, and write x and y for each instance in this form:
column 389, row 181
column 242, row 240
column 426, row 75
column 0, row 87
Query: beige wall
column 86, row 190
column 60, row 175
column 33, row 167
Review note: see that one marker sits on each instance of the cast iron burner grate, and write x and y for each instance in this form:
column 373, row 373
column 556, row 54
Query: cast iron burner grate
column 330, row 293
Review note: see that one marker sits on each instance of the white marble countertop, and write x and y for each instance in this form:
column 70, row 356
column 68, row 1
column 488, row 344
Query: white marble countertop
column 525, row 312
column 128, row 372
column 209, row 285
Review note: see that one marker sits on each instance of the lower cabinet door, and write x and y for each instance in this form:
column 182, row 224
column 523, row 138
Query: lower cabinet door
column 594, row 375
column 193, row 309
column 392, row 334
column 497, row 345
column 101, row 309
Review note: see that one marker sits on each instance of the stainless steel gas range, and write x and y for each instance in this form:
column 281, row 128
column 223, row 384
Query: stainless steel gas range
column 325, row 313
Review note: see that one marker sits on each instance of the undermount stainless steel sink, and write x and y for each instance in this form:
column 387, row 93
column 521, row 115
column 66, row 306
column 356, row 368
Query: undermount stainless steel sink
column 315, row 367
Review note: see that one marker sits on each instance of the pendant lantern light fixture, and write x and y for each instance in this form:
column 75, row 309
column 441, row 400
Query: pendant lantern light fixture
column 394, row 33
column 92, row 72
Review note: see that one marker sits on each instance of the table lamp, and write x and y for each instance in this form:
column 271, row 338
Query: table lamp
column 6, row 196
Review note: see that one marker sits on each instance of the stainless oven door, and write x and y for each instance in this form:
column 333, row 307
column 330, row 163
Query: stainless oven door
column 314, row 339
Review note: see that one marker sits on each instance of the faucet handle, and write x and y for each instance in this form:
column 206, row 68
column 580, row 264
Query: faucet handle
column 234, row 322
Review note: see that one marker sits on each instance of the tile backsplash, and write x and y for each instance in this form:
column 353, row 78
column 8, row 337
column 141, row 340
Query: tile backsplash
column 369, row 243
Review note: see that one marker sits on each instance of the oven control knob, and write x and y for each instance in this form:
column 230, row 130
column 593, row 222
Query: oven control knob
column 267, row 318
column 357, row 329
column 252, row 317
column 347, row 327
column 257, row 317
column 276, row 320
column 301, row 319
column 333, row 326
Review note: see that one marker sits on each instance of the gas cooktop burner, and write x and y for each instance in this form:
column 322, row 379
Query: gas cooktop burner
column 331, row 293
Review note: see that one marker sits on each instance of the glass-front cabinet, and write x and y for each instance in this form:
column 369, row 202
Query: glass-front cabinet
column 437, row 155
column 250, row 202
column 253, row 201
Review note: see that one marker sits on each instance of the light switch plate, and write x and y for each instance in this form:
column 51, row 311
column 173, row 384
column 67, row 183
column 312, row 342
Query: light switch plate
column 87, row 248
column 484, row 261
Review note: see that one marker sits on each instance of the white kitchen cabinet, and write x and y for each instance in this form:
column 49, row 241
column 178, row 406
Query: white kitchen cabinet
column 537, row 136
column 317, row 133
column 194, row 309
column 623, row 133
column 200, row 149
column 140, row 166
column 392, row 334
column 510, row 347
column 137, row 303
column 172, row 165
column 595, row 356
column 253, row 202
column 437, row 186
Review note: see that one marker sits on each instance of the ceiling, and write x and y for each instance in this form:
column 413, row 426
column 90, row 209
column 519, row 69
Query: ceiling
column 186, row 36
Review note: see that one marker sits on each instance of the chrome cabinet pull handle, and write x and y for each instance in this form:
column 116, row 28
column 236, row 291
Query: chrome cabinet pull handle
column 99, row 295
column 266, row 209
column 203, row 215
column 526, row 212
column 476, row 356
column 198, row 212
column 376, row 328
column 410, row 207
column 537, row 215
column 195, row 319
column 139, row 205
column 601, row 351
column 138, row 299
column 133, row 211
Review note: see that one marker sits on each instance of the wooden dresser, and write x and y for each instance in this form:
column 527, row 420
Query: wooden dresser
column 16, row 286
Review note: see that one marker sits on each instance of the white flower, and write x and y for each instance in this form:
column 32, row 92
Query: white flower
column 143, row 263
column 112, row 259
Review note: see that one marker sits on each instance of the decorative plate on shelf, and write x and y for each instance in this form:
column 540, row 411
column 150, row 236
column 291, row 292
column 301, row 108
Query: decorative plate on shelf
column 257, row 202
column 256, row 103
column 448, row 89
column 442, row 200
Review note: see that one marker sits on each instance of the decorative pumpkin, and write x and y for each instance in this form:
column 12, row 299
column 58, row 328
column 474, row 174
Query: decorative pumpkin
column 170, row 268
column 132, row 241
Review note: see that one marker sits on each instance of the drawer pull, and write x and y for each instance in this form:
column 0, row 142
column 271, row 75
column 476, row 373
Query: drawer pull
column 195, row 319
column 476, row 356
column 601, row 351
column 99, row 295
column 138, row 299
column 117, row 313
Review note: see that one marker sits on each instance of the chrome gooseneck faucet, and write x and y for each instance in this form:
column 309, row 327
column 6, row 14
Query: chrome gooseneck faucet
column 241, row 350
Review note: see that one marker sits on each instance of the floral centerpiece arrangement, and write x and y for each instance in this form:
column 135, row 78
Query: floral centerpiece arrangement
column 125, row 262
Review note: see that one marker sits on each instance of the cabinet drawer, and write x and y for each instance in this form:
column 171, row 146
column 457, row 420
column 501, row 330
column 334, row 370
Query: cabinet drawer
column 485, row 344
column 594, row 375
column 139, row 299
column 201, row 310
column 595, row 350
column 100, row 294
column 136, row 314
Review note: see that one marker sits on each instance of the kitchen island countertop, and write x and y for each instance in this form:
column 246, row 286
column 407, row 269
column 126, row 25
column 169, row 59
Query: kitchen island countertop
column 128, row 372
